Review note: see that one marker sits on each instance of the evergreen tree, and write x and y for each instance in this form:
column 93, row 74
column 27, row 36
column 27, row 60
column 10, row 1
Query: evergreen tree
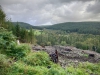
column 2, row 17
column 17, row 30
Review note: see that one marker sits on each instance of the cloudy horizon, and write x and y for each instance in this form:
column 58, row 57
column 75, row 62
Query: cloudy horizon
column 48, row 12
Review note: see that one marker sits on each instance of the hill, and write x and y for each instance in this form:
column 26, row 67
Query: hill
column 80, row 27
column 26, row 25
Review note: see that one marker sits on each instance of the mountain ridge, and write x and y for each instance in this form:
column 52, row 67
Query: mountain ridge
column 80, row 27
column 26, row 25
column 92, row 27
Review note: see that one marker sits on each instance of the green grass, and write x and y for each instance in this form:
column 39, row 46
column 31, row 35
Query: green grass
column 4, row 64
column 36, row 63
column 84, row 69
column 37, row 32
column 37, row 59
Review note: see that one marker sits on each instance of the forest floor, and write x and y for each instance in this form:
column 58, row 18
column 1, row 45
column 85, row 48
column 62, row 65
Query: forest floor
column 70, row 55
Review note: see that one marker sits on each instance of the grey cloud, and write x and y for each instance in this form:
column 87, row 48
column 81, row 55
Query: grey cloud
column 94, row 8
column 67, row 1
column 37, row 12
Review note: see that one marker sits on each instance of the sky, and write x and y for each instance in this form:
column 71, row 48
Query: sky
column 48, row 12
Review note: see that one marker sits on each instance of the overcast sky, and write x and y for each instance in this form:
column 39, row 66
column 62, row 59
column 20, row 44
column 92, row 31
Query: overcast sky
column 46, row 12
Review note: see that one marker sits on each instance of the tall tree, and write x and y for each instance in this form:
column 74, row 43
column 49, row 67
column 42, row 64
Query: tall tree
column 31, row 36
column 2, row 16
column 17, row 28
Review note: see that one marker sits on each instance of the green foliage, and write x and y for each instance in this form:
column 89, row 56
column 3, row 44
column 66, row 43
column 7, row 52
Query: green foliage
column 36, row 64
column 24, row 69
column 7, row 40
column 9, row 46
column 56, row 71
column 82, row 41
column 80, row 27
column 63, row 43
column 2, row 17
column 48, row 43
column 26, row 25
column 20, row 51
column 84, row 69
column 37, row 58
column 17, row 28
column 4, row 64
column 81, row 46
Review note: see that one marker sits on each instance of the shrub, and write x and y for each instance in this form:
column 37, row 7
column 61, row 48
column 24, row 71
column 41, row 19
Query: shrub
column 56, row 71
column 9, row 46
column 20, row 51
column 84, row 69
column 38, row 58
column 23, row 68
column 81, row 45
column 20, row 68
column 7, row 41
column 4, row 64
column 63, row 43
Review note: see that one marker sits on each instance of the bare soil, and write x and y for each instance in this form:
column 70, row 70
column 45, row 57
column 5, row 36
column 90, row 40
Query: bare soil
column 69, row 54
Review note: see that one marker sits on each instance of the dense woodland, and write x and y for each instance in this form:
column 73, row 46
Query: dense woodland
column 79, row 27
column 26, row 25
column 20, row 60
column 82, row 41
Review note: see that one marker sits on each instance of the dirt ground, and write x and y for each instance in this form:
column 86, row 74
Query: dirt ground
column 69, row 54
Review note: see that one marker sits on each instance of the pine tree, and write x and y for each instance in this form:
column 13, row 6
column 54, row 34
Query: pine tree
column 17, row 30
column 2, row 17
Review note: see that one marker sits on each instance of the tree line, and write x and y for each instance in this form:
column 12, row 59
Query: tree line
column 79, row 27
column 82, row 41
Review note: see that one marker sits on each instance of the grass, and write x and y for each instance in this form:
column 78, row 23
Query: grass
column 37, row 32
column 84, row 69
column 4, row 64
column 36, row 63
column 37, row 59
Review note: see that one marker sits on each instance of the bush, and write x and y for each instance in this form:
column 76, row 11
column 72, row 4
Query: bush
column 98, row 50
column 20, row 51
column 57, row 71
column 37, row 59
column 4, row 64
column 7, row 41
column 20, row 68
column 38, row 67
column 81, row 45
column 9, row 46
column 63, row 43
column 84, row 69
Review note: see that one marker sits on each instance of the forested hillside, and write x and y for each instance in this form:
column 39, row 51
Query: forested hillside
column 25, row 25
column 80, row 27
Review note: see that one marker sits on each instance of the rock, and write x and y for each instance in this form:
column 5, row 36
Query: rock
column 91, row 55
